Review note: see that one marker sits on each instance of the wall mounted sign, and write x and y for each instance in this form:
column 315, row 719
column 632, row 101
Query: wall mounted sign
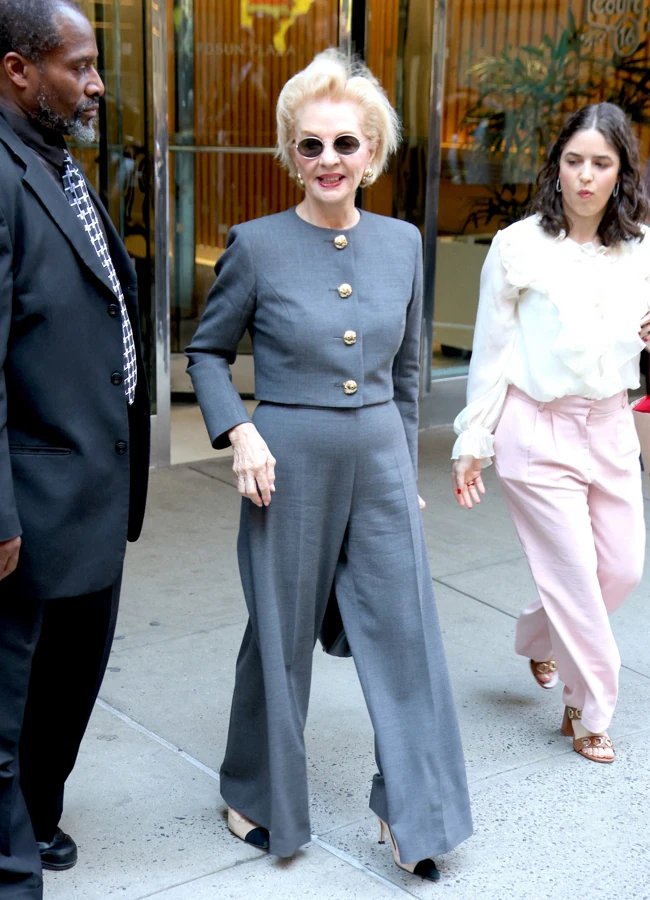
column 284, row 11
column 625, row 21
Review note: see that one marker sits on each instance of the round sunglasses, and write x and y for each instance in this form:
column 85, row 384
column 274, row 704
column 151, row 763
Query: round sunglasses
column 344, row 145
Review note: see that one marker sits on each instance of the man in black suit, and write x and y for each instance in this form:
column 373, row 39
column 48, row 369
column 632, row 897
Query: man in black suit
column 74, row 428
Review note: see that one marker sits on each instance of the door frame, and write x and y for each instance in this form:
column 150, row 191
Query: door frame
column 435, row 407
column 432, row 410
column 156, row 76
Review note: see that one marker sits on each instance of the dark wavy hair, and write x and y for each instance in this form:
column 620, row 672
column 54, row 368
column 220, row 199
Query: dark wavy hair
column 624, row 213
column 29, row 27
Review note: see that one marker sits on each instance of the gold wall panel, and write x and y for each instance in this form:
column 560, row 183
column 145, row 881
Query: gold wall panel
column 244, row 52
column 533, row 104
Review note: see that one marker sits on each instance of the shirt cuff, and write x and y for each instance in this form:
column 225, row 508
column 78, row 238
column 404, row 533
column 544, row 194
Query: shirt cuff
column 476, row 442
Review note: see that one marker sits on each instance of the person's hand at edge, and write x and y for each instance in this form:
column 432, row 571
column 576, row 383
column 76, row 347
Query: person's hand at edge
column 466, row 480
column 9, row 552
column 253, row 464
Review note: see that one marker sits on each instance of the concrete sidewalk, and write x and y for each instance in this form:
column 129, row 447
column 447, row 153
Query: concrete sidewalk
column 143, row 802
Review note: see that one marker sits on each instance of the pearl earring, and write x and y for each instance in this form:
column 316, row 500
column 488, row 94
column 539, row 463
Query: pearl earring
column 367, row 175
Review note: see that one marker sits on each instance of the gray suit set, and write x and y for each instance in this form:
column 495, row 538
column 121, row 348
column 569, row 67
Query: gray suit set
column 335, row 323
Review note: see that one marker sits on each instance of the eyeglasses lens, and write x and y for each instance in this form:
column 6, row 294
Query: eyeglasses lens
column 346, row 144
column 312, row 147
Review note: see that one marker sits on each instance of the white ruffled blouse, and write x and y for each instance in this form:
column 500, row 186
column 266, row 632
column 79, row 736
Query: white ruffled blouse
column 555, row 318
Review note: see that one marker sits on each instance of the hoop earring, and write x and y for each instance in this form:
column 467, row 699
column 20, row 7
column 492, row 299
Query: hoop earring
column 558, row 186
column 367, row 175
column 300, row 181
column 616, row 189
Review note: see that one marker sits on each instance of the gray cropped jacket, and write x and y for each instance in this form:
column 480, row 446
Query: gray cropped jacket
column 334, row 318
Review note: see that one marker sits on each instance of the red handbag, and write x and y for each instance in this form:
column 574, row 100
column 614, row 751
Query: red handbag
column 641, row 413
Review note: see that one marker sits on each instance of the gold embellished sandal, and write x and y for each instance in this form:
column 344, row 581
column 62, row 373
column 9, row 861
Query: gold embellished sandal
column 582, row 744
column 545, row 668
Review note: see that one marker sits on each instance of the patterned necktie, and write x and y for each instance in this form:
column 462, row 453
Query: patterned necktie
column 79, row 199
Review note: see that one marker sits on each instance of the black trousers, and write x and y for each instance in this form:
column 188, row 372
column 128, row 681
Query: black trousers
column 53, row 655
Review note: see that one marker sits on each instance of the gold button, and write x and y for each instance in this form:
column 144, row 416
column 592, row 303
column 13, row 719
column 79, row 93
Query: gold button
column 349, row 338
column 350, row 387
column 344, row 290
column 340, row 242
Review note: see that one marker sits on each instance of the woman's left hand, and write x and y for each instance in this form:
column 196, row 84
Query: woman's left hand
column 467, row 481
column 421, row 502
column 644, row 334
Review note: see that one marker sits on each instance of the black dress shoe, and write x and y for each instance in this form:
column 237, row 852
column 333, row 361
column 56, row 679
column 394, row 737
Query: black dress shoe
column 59, row 853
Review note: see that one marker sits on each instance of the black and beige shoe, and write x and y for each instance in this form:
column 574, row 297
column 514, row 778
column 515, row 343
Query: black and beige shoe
column 425, row 868
column 247, row 831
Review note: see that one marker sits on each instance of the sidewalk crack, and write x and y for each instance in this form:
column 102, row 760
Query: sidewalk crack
column 213, row 477
column 158, row 739
column 171, row 887
column 472, row 597
column 488, row 565
column 645, row 675
column 357, row 864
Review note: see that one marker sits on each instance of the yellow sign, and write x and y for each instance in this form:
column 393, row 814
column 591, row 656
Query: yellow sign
column 285, row 11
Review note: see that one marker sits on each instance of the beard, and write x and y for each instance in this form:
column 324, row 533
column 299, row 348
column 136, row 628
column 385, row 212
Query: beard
column 75, row 127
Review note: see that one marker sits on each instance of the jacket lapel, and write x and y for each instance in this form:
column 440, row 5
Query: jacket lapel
column 121, row 259
column 54, row 201
column 56, row 204
column 124, row 267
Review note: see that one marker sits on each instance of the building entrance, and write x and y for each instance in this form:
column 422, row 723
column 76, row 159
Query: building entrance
column 481, row 87
column 127, row 167
column 229, row 63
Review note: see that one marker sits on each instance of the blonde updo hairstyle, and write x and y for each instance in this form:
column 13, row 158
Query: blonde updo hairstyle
column 333, row 76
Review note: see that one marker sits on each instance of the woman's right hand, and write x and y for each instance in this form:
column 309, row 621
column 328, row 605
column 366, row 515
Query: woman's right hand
column 467, row 481
column 253, row 464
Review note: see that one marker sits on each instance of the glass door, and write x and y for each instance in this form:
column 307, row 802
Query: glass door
column 228, row 61
column 514, row 72
column 121, row 166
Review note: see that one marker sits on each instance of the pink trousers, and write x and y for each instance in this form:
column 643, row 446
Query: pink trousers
column 571, row 478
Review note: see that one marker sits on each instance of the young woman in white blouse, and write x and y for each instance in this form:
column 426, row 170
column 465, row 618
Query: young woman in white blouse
column 563, row 316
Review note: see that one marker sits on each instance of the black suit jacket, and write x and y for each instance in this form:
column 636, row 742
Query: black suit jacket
column 74, row 457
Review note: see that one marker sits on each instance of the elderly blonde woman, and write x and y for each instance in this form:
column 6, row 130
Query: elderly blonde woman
column 330, row 525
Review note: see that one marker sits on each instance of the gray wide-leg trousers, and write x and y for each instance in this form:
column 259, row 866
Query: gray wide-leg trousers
column 345, row 512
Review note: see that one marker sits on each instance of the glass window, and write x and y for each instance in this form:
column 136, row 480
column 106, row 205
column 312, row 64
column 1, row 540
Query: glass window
column 119, row 164
column 514, row 70
column 228, row 61
column 398, row 50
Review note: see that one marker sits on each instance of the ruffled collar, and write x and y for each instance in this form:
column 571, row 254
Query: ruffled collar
column 599, row 308
column 587, row 249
